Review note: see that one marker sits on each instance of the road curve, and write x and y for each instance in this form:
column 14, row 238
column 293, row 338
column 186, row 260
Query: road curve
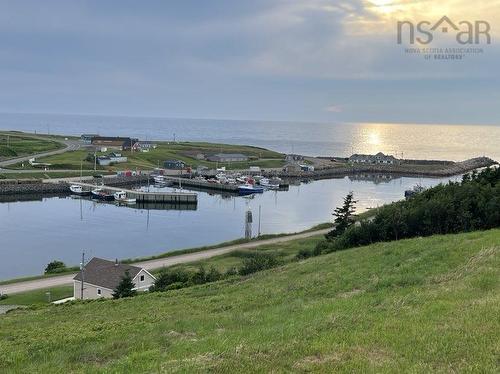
column 70, row 145
column 63, row 280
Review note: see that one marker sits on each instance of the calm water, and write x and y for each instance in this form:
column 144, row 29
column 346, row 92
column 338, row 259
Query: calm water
column 326, row 139
column 34, row 233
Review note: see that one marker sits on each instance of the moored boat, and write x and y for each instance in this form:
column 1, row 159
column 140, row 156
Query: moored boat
column 248, row 189
column 264, row 182
column 78, row 190
column 121, row 197
column 100, row 194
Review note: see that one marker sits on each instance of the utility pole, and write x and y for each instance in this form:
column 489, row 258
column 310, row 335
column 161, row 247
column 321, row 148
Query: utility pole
column 260, row 208
column 82, row 266
column 95, row 160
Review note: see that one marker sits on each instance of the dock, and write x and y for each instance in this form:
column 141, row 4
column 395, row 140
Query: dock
column 149, row 197
column 202, row 184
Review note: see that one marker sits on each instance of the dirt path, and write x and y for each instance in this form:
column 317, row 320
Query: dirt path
column 157, row 263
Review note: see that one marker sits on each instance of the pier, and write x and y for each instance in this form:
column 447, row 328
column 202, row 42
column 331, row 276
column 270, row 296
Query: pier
column 149, row 197
column 202, row 184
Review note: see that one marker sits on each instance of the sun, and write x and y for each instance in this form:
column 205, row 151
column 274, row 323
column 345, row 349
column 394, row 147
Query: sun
column 382, row 6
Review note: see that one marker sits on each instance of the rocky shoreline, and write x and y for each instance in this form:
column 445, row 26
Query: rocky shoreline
column 39, row 187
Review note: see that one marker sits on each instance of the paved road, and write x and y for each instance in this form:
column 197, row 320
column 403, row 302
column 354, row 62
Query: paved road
column 155, row 264
column 70, row 145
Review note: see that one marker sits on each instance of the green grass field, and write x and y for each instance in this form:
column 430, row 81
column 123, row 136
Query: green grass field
column 419, row 305
column 13, row 145
column 185, row 151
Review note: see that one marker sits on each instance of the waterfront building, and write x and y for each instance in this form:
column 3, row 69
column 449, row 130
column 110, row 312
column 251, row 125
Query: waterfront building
column 114, row 142
column 228, row 157
column 174, row 164
column 379, row 158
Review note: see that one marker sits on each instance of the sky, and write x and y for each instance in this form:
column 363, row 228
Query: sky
column 310, row 60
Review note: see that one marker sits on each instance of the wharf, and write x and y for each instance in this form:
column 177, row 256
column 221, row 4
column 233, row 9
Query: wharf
column 150, row 197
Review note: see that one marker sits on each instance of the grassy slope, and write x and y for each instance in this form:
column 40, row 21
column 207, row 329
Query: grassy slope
column 182, row 151
column 18, row 146
column 422, row 305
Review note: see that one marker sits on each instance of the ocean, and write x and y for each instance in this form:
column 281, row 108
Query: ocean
column 443, row 142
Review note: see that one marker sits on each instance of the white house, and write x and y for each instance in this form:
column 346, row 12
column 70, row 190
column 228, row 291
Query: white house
column 101, row 277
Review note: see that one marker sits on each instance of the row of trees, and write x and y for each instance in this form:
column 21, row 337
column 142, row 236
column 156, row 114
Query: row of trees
column 472, row 204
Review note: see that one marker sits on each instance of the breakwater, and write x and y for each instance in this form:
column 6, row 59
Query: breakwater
column 40, row 187
column 425, row 169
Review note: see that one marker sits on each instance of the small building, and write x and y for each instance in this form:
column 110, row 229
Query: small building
column 114, row 142
column 228, row 157
column 174, row 164
column 292, row 168
column 87, row 138
column 379, row 158
column 305, row 167
column 112, row 158
column 142, row 146
column 294, row 158
column 101, row 277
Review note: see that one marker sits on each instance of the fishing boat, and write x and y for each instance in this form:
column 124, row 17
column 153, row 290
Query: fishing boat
column 159, row 179
column 264, row 182
column 100, row 194
column 78, row 190
column 121, row 197
column 248, row 189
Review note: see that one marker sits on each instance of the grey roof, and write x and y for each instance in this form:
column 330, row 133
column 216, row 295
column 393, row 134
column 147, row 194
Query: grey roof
column 107, row 274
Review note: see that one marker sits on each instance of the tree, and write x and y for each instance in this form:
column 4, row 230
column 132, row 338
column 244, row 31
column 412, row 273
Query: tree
column 55, row 267
column 125, row 288
column 343, row 216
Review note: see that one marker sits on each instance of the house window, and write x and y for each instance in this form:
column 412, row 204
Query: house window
column 142, row 278
column 98, row 291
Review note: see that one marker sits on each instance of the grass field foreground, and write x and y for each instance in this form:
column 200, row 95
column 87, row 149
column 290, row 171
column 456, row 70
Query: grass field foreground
column 418, row 305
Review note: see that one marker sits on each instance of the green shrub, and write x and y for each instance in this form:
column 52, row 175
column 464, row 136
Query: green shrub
column 202, row 276
column 259, row 261
column 167, row 277
column 3, row 296
column 55, row 267
column 304, row 253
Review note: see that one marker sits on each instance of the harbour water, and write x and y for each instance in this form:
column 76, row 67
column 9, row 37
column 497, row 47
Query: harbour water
column 34, row 233
column 443, row 142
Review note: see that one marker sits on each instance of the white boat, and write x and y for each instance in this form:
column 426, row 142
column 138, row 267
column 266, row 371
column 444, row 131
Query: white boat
column 264, row 182
column 159, row 179
column 78, row 190
column 121, row 197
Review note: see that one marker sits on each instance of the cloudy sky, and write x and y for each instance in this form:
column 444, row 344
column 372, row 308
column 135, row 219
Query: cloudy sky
column 310, row 60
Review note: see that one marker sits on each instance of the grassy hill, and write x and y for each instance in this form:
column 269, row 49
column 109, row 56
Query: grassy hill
column 420, row 305
column 12, row 146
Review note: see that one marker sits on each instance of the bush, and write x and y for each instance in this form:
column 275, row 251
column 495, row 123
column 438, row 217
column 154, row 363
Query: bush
column 3, row 296
column 321, row 247
column 202, row 276
column 259, row 261
column 55, row 267
column 231, row 272
column 303, row 254
column 167, row 277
